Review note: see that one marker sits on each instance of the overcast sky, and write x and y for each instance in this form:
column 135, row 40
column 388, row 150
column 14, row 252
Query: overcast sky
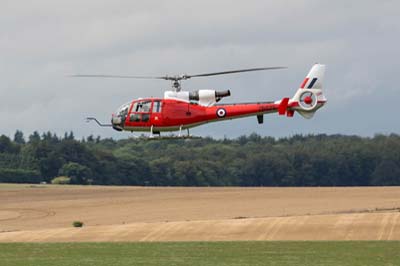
column 42, row 41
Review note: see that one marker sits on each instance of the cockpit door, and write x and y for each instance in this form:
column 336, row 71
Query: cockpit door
column 140, row 114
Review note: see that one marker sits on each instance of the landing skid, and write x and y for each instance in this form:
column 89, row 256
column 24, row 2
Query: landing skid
column 170, row 137
column 166, row 137
column 157, row 135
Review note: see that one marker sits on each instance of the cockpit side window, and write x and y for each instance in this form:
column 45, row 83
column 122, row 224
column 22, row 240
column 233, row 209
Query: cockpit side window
column 134, row 107
column 142, row 107
column 135, row 118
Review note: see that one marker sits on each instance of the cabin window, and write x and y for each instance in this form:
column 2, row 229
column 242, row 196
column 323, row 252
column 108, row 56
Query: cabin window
column 157, row 107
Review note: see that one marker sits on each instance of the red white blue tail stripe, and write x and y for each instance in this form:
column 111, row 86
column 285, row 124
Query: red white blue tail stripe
column 310, row 85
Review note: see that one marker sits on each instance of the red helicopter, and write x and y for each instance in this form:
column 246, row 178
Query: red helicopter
column 180, row 110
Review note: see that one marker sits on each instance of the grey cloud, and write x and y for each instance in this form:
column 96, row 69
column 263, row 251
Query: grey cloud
column 42, row 41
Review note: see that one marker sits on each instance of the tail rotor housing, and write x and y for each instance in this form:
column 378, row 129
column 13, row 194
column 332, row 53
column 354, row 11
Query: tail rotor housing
column 309, row 97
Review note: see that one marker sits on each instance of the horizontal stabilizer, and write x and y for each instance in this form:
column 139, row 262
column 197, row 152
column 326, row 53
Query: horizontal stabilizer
column 283, row 106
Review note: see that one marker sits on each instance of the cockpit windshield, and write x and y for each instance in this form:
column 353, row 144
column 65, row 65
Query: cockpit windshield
column 123, row 110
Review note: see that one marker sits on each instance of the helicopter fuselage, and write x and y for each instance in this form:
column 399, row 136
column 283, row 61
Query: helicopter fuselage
column 158, row 115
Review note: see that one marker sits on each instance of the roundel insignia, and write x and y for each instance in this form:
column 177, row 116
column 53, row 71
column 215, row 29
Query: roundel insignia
column 221, row 112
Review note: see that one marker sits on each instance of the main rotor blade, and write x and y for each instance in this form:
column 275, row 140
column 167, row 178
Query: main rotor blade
column 115, row 76
column 178, row 77
column 233, row 71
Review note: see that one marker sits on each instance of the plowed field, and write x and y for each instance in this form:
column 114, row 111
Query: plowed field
column 45, row 213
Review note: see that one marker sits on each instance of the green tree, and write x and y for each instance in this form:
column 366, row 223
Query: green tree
column 34, row 138
column 387, row 173
column 19, row 137
column 6, row 145
column 78, row 173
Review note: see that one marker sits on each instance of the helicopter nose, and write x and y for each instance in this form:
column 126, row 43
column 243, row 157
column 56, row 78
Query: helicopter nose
column 116, row 122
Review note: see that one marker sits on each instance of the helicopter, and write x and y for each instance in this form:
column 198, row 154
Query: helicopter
column 181, row 110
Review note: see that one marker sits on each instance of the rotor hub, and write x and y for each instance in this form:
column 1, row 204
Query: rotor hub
column 308, row 100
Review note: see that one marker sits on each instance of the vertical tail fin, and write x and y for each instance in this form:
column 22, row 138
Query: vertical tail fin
column 315, row 78
column 309, row 97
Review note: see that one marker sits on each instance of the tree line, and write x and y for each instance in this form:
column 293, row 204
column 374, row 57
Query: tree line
column 312, row 160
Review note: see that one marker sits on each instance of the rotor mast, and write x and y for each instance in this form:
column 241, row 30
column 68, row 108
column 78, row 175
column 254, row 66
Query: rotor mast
column 176, row 85
column 176, row 81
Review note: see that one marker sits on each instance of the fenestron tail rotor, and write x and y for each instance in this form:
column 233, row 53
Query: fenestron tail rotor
column 177, row 78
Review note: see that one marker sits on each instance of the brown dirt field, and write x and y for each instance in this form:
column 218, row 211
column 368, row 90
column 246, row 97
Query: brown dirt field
column 45, row 213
